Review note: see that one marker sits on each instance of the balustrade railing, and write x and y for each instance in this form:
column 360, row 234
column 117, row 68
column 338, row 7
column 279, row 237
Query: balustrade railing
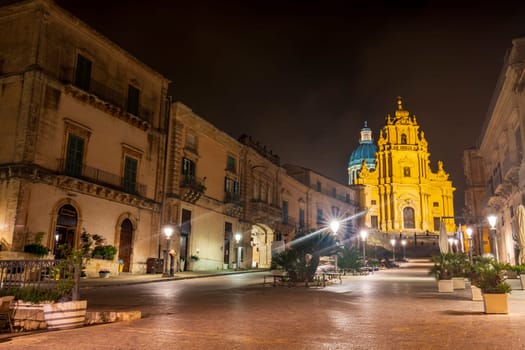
column 28, row 273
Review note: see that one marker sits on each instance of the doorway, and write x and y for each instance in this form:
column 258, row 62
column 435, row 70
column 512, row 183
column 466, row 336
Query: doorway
column 125, row 244
column 65, row 229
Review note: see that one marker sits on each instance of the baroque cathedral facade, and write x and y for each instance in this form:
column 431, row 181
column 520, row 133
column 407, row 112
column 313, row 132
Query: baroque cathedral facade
column 396, row 185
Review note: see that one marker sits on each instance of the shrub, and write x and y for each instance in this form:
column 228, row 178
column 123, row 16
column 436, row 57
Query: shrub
column 33, row 294
column 106, row 252
column 36, row 249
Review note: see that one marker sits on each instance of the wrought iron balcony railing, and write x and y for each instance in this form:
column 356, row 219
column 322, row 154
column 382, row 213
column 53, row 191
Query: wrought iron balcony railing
column 101, row 177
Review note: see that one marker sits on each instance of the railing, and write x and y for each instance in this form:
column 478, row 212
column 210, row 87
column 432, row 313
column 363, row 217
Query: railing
column 193, row 182
column 117, row 98
column 232, row 198
column 25, row 273
column 103, row 178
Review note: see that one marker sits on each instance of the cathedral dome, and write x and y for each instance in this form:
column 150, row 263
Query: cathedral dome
column 365, row 151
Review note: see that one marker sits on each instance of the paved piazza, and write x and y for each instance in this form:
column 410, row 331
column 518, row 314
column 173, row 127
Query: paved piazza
column 391, row 309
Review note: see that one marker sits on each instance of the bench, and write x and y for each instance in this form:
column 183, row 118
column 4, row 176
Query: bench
column 277, row 277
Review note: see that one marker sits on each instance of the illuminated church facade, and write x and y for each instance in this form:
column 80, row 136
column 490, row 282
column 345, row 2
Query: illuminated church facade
column 396, row 184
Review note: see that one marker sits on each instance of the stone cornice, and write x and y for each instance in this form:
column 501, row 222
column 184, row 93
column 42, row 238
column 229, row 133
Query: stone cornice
column 106, row 107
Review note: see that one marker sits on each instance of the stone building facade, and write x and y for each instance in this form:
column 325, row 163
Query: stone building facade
column 91, row 141
column 501, row 148
column 402, row 194
column 83, row 133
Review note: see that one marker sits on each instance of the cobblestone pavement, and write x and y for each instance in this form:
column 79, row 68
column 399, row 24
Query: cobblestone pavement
column 391, row 309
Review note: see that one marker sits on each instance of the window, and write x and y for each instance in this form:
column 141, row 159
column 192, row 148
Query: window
column 318, row 186
column 231, row 188
column 285, row 212
column 133, row 100
column 406, row 171
column 83, row 73
column 74, row 155
column 334, row 192
column 129, row 181
column 301, row 218
column 435, row 204
column 373, row 202
column 278, row 236
column 373, row 221
column 437, row 223
column 185, row 227
column 230, row 164
column 188, row 167
column 347, row 199
column 408, row 217
column 319, row 216
column 191, row 142
column 403, row 139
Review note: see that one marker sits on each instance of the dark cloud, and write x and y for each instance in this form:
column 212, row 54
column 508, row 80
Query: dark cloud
column 302, row 77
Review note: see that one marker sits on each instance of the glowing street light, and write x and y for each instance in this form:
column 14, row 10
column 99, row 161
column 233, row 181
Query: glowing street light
column 364, row 234
column 393, row 242
column 469, row 235
column 238, row 237
column 168, row 271
column 334, row 226
column 493, row 219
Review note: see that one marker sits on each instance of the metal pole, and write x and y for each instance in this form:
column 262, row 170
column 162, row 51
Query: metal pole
column 172, row 259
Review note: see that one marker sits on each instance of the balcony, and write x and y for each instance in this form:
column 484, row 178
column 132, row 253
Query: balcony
column 103, row 178
column 259, row 211
column 233, row 205
column 192, row 188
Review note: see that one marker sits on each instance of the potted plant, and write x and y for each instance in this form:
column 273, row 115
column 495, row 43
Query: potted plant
column 489, row 276
column 37, row 248
column 103, row 273
column 442, row 271
column 460, row 266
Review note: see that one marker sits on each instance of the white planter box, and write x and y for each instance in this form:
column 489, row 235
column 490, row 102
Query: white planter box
column 69, row 314
column 458, row 282
column 476, row 293
column 445, row 286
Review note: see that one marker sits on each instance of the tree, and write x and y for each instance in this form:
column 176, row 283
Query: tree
column 304, row 252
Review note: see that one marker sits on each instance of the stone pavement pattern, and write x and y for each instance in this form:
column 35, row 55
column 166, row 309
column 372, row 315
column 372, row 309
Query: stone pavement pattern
column 391, row 309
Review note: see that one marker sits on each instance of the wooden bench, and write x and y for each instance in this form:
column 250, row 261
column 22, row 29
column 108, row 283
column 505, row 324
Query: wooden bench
column 277, row 277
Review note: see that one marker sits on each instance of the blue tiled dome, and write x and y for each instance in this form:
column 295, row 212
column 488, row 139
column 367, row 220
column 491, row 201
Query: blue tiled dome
column 365, row 151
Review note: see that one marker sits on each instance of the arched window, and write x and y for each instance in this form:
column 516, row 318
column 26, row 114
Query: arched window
column 126, row 243
column 408, row 217
column 403, row 139
column 66, row 227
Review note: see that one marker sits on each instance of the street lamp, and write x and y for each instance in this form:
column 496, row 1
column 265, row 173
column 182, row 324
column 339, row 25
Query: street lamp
column 469, row 235
column 168, row 231
column 393, row 242
column 492, row 219
column 238, row 237
column 334, row 226
column 364, row 234
column 404, row 243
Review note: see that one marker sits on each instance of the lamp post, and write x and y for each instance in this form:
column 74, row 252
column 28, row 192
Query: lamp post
column 364, row 234
column 334, row 226
column 469, row 236
column 404, row 243
column 492, row 219
column 238, row 237
column 393, row 242
column 168, row 271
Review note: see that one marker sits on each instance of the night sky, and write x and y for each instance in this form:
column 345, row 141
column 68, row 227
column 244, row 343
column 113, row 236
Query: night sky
column 303, row 76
